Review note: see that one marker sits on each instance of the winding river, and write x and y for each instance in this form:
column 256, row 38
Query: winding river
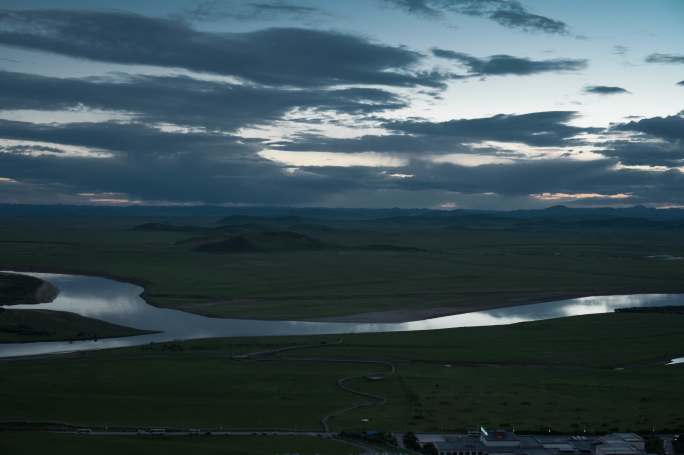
column 120, row 303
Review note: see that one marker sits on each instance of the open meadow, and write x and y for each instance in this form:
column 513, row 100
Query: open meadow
column 410, row 268
column 602, row 373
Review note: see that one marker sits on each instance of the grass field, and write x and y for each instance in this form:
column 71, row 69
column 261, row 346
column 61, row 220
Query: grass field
column 30, row 443
column 18, row 289
column 459, row 269
column 602, row 373
column 17, row 326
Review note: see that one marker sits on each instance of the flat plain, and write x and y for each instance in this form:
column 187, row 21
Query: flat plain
column 603, row 373
column 310, row 270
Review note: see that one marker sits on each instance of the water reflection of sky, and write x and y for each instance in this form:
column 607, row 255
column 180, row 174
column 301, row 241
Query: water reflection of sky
column 120, row 303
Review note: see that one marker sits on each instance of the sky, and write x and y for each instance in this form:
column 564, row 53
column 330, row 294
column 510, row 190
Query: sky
column 445, row 104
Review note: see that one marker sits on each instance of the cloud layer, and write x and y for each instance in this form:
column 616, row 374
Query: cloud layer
column 508, row 13
column 605, row 90
column 676, row 59
column 542, row 129
column 230, row 117
column 278, row 56
column 182, row 100
column 501, row 65
column 213, row 10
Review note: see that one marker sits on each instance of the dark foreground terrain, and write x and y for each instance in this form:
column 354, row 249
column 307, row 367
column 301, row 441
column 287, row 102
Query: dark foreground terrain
column 603, row 373
column 30, row 443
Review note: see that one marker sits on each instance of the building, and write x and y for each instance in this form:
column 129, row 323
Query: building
column 503, row 442
column 621, row 444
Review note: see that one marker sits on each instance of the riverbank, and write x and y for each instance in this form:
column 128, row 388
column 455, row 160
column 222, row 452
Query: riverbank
column 384, row 317
column 208, row 309
column 31, row 326
column 121, row 304
column 17, row 289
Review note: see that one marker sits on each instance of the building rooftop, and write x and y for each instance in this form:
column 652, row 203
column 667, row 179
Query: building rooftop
column 501, row 442
column 499, row 439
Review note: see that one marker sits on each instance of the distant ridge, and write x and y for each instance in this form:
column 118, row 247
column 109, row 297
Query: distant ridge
column 295, row 215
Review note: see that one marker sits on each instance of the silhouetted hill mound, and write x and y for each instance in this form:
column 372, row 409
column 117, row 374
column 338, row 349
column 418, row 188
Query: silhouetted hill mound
column 244, row 227
column 269, row 241
column 312, row 227
column 236, row 244
column 157, row 227
column 245, row 219
column 385, row 247
column 289, row 240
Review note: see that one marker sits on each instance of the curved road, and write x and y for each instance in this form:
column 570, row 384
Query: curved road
column 376, row 400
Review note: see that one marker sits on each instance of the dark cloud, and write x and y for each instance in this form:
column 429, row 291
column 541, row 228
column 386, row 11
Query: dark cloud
column 646, row 153
column 276, row 56
column 181, row 179
column 129, row 139
column 390, row 143
column 508, row 13
column 519, row 179
column 548, row 128
column 519, row 18
column 666, row 58
column 500, row 65
column 153, row 165
column 605, row 90
column 211, row 10
column 183, row 100
column 661, row 142
column 426, row 8
column 681, row 83
column 667, row 128
column 423, row 137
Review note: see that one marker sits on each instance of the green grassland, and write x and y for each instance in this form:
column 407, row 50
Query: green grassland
column 602, row 373
column 18, row 289
column 17, row 326
column 345, row 268
column 31, row 443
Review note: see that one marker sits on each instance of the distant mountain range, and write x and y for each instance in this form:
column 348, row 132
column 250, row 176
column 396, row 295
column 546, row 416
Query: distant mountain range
column 293, row 215
column 322, row 219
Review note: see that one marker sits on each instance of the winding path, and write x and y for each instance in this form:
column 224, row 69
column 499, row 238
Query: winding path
column 378, row 400
column 375, row 400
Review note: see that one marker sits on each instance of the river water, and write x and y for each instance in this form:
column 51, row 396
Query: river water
column 120, row 303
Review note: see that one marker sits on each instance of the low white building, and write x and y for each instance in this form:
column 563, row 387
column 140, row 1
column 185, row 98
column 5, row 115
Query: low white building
column 502, row 442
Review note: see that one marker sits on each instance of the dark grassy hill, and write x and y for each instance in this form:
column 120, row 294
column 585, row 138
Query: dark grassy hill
column 155, row 227
column 22, row 289
column 269, row 241
column 20, row 326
